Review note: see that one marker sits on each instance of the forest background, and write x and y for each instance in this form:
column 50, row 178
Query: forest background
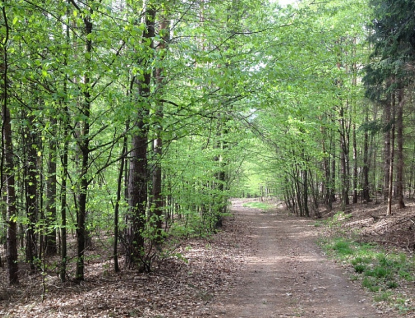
column 134, row 122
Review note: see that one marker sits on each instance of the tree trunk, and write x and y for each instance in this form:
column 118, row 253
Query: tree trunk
column 138, row 176
column 83, row 142
column 304, row 174
column 392, row 156
column 158, row 141
column 326, row 167
column 355, row 167
column 30, row 182
column 390, row 185
column 63, row 195
column 400, row 155
column 11, row 246
column 117, row 203
column 64, row 159
column 387, row 146
column 333, row 172
column 365, row 172
column 7, row 161
column 344, row 158
column 51, row 248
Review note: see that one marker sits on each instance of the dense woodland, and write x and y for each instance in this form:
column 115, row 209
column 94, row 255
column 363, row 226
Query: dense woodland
column 135, row 121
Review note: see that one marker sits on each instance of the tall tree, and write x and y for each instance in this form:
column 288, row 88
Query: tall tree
column 162, row 48
column 138, row 174
column 7, row 158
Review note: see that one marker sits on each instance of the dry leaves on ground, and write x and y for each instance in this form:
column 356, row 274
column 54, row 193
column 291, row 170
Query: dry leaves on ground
column 175, row 288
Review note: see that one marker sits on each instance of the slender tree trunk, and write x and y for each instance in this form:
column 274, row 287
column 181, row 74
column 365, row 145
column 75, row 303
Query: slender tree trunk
column 390, row 185
column 11, row 247
column 30, row 182
column 158, row 201
column 117, row 203
column 326, row 167
column 344, row 158
column 333, row 171
column 355, row 152
column 64, row 160
column 304, row 174
column 387, row 147
column 355, row 167
column 157, row 188
column 7, row 158
column 83, row 142
column 400, row 155
column 63, row 196
column 365, row 172
column 392, row 157
column 51, row 248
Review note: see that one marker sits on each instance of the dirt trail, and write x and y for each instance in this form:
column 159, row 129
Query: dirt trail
column 287, row 275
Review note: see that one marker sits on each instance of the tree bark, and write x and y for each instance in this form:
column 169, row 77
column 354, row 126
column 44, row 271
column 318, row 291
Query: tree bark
column 387, row 146
column 30, row 182
column 400, row 154
column 392, row 156
column 304, row 174
column 365, row 172
column 390, row 170
column 83, row 142
column 333, row 173
column 138, row 175
column 344, row 158
column 158, row 141
column 117, row 203
column 51, row 248
column 64, row 163
column 63, row 196
column 7, row 160
column 355, row 166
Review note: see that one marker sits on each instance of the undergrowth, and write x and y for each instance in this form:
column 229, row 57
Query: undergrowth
column 380, row 271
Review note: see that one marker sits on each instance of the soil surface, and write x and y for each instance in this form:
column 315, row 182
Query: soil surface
column 287, row 275
column 262, row 264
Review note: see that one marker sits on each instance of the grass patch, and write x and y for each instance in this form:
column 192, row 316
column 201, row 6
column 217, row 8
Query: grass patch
column 258, row 205
column 406, row 275
column 379, row 271
column 343, row 248
column 382, row 296
column 359, row 268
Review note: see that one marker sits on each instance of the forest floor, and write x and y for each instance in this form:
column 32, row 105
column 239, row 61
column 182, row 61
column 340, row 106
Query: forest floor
column 262, row 264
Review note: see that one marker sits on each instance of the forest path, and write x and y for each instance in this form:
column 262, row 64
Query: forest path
column 287, row 275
